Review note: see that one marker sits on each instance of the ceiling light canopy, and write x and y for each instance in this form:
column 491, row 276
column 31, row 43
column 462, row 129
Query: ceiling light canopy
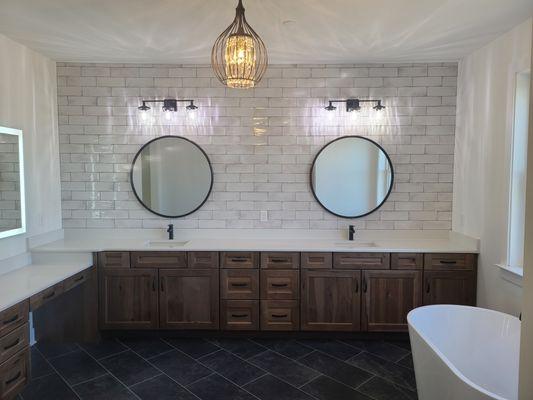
column 239, row 56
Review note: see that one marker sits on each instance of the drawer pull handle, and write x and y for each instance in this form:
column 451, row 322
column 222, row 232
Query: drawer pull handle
column 279, row 260
column 12, row 344
column 10, row 320
column 428, row 287
column 239, row 284
column 239, row 259
column 279, row 285
column 10, row 381
column 49, row 296
column 239, row 315
column 449, row 262
column 279, row 315
column 79, row 279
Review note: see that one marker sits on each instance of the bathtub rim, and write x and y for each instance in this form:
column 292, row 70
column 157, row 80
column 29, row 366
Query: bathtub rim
column 442, row 356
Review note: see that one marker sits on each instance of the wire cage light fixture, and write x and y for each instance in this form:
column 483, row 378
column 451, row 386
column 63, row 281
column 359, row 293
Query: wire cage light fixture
column 239, row 56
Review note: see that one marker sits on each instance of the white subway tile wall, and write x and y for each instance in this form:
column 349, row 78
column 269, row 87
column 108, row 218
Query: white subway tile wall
column 261, row 141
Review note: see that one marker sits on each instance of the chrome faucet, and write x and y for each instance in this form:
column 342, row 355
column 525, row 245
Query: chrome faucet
column 351, row 232
column 170, row 232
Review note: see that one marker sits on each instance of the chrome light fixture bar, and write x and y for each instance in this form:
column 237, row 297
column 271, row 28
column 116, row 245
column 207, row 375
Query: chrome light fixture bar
column 354, row 104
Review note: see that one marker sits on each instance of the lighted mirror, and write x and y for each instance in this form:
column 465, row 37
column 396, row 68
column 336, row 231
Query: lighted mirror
column 352, row 176
column 12, row 206
column 171, row 176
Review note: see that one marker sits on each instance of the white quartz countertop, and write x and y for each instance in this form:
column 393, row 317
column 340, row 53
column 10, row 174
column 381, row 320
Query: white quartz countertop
column 94, row 243
column 24, row 282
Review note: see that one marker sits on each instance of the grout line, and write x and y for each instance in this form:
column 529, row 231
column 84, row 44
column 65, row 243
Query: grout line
column 111, row 355
column 146, row 380
column 256, row 379
column 90, row 380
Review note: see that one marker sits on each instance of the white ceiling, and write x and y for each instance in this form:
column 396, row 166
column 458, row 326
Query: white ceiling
column 295, row 31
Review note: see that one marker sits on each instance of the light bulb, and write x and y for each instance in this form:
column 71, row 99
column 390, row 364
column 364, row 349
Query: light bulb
column 168, row 115
column 144, row 115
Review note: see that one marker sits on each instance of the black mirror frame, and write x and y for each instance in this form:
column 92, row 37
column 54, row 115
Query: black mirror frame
column 350, row 216
column 135, row 192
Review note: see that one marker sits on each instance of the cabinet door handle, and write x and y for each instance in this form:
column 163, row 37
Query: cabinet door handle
column 153, row 285
column 49, row 296
column 356, row 286
column 162, row 284
column 279, row 285
column 239, row 284
column 428, row 287
column 12, row 344
column 239, row 315
column 79, row 279
column 10, row 381
column 10, row 320
column 279, row 315
column 364, row 286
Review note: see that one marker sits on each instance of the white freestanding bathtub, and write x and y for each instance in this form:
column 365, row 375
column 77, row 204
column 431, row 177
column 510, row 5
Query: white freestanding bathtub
column 464, row 353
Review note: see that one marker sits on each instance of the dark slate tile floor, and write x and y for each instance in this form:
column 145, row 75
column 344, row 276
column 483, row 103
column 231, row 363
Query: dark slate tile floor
column 223, row 369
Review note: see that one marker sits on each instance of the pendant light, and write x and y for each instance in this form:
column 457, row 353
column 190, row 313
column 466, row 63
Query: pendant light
column 239, row 56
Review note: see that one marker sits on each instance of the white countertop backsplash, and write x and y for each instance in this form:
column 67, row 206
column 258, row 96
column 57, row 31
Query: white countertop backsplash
column 259, row 240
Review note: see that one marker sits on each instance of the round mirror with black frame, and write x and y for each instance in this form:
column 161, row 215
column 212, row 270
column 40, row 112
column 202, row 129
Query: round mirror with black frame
column 351, row 176
column 171, row 176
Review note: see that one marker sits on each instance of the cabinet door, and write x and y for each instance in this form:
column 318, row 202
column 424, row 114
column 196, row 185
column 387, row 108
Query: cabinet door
column 188, row 299
column 331, row 300
column 128, row 298
column 387, row 298
column 450, row 287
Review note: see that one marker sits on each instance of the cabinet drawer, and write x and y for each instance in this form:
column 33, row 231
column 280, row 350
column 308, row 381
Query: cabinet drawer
column 239, row 284
column 280, row 315
column 317, row 260
column 14, row 374
column 159, row 259
column 406, row 261
column 41, row 298
column 14, row 342
column 280, row 285
column 240, row 315
column 114, row 259
column 361, row 260
column 443, row 261
column 77, row 279
column 239, row 259
column 202, row 259
column 13, row 317
column 280, row 260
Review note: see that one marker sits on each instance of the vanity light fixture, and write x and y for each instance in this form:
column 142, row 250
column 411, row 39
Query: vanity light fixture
column 239, row 56
column 169, row 105
column 354, row 104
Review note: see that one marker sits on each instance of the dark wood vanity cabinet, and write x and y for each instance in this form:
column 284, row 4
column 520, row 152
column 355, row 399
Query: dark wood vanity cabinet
column 277, row 291
column 128, row 298
column 330, row 300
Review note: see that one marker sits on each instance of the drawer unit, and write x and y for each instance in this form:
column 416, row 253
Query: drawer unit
column 13, row 317
column 280, row 315
column 280, row 285
column 239, row 259
column 114, row 259
column 239, row 315
column 280, row 260
column 361, row 260
column 449, row 261
column 239, row 284
column 159, row 259
column 76, row 280
column 317, row 260
column 406, row 261
column 14, row 374
column 46, row 295
column 14, row 342
column 202, row 259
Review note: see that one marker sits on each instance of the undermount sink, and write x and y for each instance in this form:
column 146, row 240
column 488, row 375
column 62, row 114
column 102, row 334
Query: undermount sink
column 166, row 243
column 355, row 244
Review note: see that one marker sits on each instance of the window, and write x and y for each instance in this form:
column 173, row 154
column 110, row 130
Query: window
column 517, row 197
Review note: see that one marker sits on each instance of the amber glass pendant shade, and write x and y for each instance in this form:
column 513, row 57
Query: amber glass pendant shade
column 239, row 56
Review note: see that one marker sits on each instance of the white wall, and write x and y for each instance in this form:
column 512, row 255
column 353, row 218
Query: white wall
column 28, row 101
column 485, row 96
